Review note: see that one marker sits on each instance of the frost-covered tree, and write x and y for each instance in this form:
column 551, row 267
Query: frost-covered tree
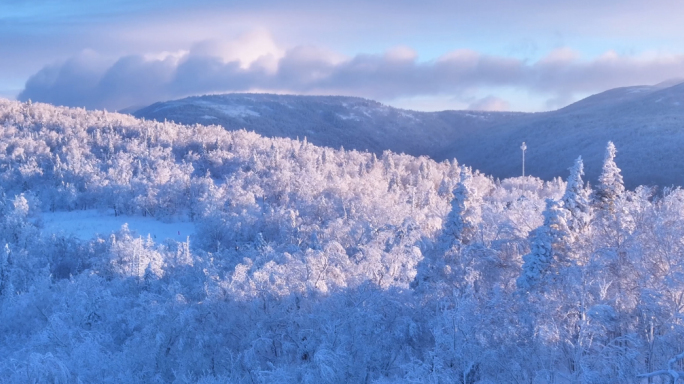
column 576, row 200
column 460, row 230
column 466, row 205
column 547, row 247
column 610, row 187
column 300, row 266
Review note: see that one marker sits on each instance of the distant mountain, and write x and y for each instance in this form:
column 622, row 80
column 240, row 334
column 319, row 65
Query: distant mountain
column 645, row 122
column 332, row 121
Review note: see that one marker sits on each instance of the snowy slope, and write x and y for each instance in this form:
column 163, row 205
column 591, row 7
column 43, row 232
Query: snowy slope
column 645, row 122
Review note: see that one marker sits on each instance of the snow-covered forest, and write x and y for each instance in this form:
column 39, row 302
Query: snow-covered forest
column 320, row 265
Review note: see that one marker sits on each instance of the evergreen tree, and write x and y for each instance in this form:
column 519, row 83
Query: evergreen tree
column 461, row 223
column 611, row 186
column 576, row 200
column 459, row 229
column 547, row 247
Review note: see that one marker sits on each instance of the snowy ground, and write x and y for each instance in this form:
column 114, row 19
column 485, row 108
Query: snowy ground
column 88, row 223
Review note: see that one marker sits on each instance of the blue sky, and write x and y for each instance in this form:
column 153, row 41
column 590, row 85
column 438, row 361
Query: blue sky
column 528, row 55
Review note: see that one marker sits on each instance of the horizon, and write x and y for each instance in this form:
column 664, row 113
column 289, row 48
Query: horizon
column 133, row 108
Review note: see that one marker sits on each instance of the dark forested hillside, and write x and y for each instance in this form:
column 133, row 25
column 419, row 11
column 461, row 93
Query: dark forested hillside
column 331, row 121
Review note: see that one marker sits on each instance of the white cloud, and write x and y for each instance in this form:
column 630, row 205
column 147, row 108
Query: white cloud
column 254, row 61
column 560, row 56
column 166, row 55
column 506, row 41
column 490, row 103
column 249, row 48
column 401, row 53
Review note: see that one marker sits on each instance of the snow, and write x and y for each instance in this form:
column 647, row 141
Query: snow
column 231, row 110
column 407, row 115
column 348, row 117
column 639, row 89
column 87, row 224
column 321, row 265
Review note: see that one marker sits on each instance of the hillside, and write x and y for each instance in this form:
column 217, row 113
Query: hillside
column 645, row 122
column 137, row 251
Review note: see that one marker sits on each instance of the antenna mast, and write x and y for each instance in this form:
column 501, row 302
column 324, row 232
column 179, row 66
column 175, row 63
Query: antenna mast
column 524, row 148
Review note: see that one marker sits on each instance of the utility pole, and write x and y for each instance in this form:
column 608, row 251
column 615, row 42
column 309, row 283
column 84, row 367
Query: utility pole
column 523, row 147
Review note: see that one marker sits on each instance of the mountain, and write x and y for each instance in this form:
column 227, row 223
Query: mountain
column 331, row 121
column 644, row 122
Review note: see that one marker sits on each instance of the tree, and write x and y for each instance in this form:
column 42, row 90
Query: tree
column 547, row 247
column 461, row 223
column 611, row 187
column 576, row 200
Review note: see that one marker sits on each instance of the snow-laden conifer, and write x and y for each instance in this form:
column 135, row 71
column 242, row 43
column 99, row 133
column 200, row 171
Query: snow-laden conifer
column 547, row 244
column 610, row 187
column 576, row 199
column 460, row 228
column 461, row 223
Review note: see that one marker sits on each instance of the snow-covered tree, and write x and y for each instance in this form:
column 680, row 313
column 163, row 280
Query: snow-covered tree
column 576, row 200
column 461, row 223
column 547, row 247
column 610, row 187
column 300, row 266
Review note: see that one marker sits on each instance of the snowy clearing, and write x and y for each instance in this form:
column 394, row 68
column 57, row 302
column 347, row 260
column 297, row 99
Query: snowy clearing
column 86, row 224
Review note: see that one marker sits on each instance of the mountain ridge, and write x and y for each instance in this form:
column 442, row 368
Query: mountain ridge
column 645, row 122
column 332, row 121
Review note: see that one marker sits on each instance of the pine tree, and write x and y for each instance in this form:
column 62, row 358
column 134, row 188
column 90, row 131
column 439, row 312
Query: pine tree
column 459, row 229
column 611, row 186
column 576, row 200
column 547, row 243
column 462, row 221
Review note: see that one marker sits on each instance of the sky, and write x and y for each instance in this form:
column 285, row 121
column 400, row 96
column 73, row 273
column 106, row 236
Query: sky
column 523, row 55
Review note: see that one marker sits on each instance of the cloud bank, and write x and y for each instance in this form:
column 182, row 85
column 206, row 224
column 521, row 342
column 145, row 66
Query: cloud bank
column 254, row 63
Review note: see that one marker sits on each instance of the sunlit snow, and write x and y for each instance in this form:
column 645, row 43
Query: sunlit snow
column 87, row 224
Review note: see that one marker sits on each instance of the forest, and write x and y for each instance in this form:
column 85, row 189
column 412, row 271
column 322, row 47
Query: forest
column 319, row 265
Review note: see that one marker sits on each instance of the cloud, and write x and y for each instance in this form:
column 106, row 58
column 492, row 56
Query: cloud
column 567, row 74
column 248, row 48
column 514, row 35
column 490, row 103
column 254, row 62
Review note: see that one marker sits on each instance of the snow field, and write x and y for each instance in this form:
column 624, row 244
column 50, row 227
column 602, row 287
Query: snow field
column 88, row 224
